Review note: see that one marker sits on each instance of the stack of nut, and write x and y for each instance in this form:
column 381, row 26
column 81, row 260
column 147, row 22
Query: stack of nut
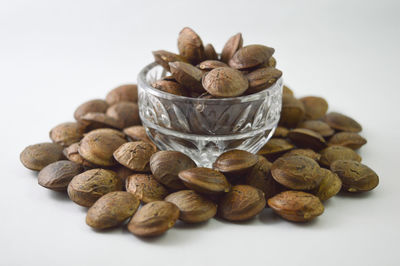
column 106, row 162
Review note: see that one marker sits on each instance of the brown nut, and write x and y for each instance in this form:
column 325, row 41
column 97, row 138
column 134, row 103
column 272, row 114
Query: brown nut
column 315, row 107
column 329, row 186
column 112, row 210
column 271, row 62
column 36, row 157
column 125, row 113
column 204, row 180
column 99, row 145
column 318, row 126
column 225, row 82
column 275, row 146
column 57, row 175
column 231, row 47
column 334, row 153
column 210, row 53
column 347, row 139
column 92, row 106
column 166, row 165
column 154, row 219
column 123, row 93
column 84, row 189
column 292, row 112
column 66, row 133
column 187, row 75
column 211, row 64
column 135, row 155
column 296, row 172
column 145, row 187
column 251, row 56
column 355, row 176
column 296, row 206
column 341, row 122
column 190, row 46
column 281, row 132
column 92, row 121
column 72, row 153
column 163, row 57
column 304, row 152
column 235, row 161
column 262, row 78
column 243, row 202
column 193, row 208
column 287, row 91
column 305, row 138
column 169, row 86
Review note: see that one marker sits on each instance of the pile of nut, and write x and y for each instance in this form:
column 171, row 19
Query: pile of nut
column 106, row 162
column 197, row 71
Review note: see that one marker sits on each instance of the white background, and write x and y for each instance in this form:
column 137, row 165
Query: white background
column 56, row 54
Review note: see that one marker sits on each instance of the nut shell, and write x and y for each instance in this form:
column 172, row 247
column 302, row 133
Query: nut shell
column 225, row 82
column 204, row 180
column 36, row 157
column 135, row 155
column 145, row 187
column 342, row 122
column 123, row 93
column 67, row 133
column 251, row 56
column 334, row 153
column 57, row 175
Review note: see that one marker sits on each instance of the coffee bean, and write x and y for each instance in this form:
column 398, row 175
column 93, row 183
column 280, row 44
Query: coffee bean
column 123, row 93
column 211, row 64
column 99, row 145
column 112, row 210
column 296, row 206
column 193, row 208
column 243, row 202
column 209, row 52
column 67, row 133
column 57, row 175
column 204, row 180
column 187, row 75
column 341, row 122
column 347, row 139
column 225, row 82
column 305, row 138
column 145, row 187
column 334, row 153
column 315, row 107
column 262, row 78
column 251, row 56
column 292, row 112
column 231, row 47
column 92, row 106
column 330, row 185
column 166, row 165
column 163, row 58
column 135, row 155
column 172, row 87
column 154, row 219
column 296, row 172
column 304, row 152
column 318, row 126
column 38, row 156
column 355, row 176
column 190, row 46
column 235, row 161
column 125, row 113
column 84, row 189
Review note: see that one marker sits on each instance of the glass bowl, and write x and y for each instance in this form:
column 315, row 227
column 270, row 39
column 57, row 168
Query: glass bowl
column 205, row 128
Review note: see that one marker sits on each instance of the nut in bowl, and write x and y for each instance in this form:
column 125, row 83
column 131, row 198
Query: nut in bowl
column 204, row 128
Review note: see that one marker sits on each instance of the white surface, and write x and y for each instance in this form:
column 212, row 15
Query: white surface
column 55, row 55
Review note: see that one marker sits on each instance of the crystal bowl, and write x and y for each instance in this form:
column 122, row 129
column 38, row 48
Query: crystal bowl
column 205, row 128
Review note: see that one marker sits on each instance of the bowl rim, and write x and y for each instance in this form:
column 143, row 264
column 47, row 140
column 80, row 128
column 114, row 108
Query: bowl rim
column 143, row 84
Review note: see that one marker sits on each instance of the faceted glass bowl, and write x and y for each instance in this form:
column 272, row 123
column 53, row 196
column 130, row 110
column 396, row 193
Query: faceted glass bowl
column 205, row 128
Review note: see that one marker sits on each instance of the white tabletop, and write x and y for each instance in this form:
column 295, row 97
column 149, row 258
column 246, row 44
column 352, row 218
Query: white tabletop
column 56, row 54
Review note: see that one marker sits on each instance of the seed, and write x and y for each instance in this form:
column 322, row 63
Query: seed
column 72, row 154
column 271, row 62
column 318, row 126
column 92, row 121
column 292, row 112
column 84, row 189
column 36, row 157
column 204, row 180
column 163, row 57
column 209, row 52
column 123, row 93
column 347, row 139
column 231, row 47
column 190, row 46
column 172, row 87
column 315, row 107
column 145, row 187
column 355, row 176
column 225, row 82
column 262, row 78
column 135, row 155
column 296, row 206
column 235, row 161
column 66, row 134
column 334, row 153
column 281, row 132
column 251, row 56
column 112, row 210
column 305, row 138
column 92, row 106
column 304, row 152
column 211, row 64
column 57, row 175
column 125, row 113
column 341, row 122
column 193, row 208
column 154, row 219
column 275, row 146
column 187, row 75
column 329, row 186
column 287, row 91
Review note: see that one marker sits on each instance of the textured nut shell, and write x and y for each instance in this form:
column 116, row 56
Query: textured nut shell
column 72, row 154
column 342, row 122
column 334, row 153
column 355, row 176
column 281, row 132
column 92, row 106
column 169, row 86
column 112, row 210
column 275, row 146
column 98, row 146
column 262, row 78
column 204, row 180
column 296, row 206
column 241, row 203
column 272, row 62
column 123, row 93
column 145, row 187
column 211, row 64
column 190, row 46
column 235, row 160
column 92, row 121
column 347, row 139
column 305, row 138
column 125, row 113
column 315, row 107
column 163, row 57
column 210, row 53
column 135, row 155
column 37, row 156
column 329, row 186
column 251, row 56
column 231, row 47
column 318, row 126
column 66, row 133
column 193, row 208
column 304, row 152
column 292, row 112
column 287, row 91
column 84, row 189
column 187, row 75
column 57, row 175
column 296, row 172
column 166, row 165
column 154, row 219
column 225, row 82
